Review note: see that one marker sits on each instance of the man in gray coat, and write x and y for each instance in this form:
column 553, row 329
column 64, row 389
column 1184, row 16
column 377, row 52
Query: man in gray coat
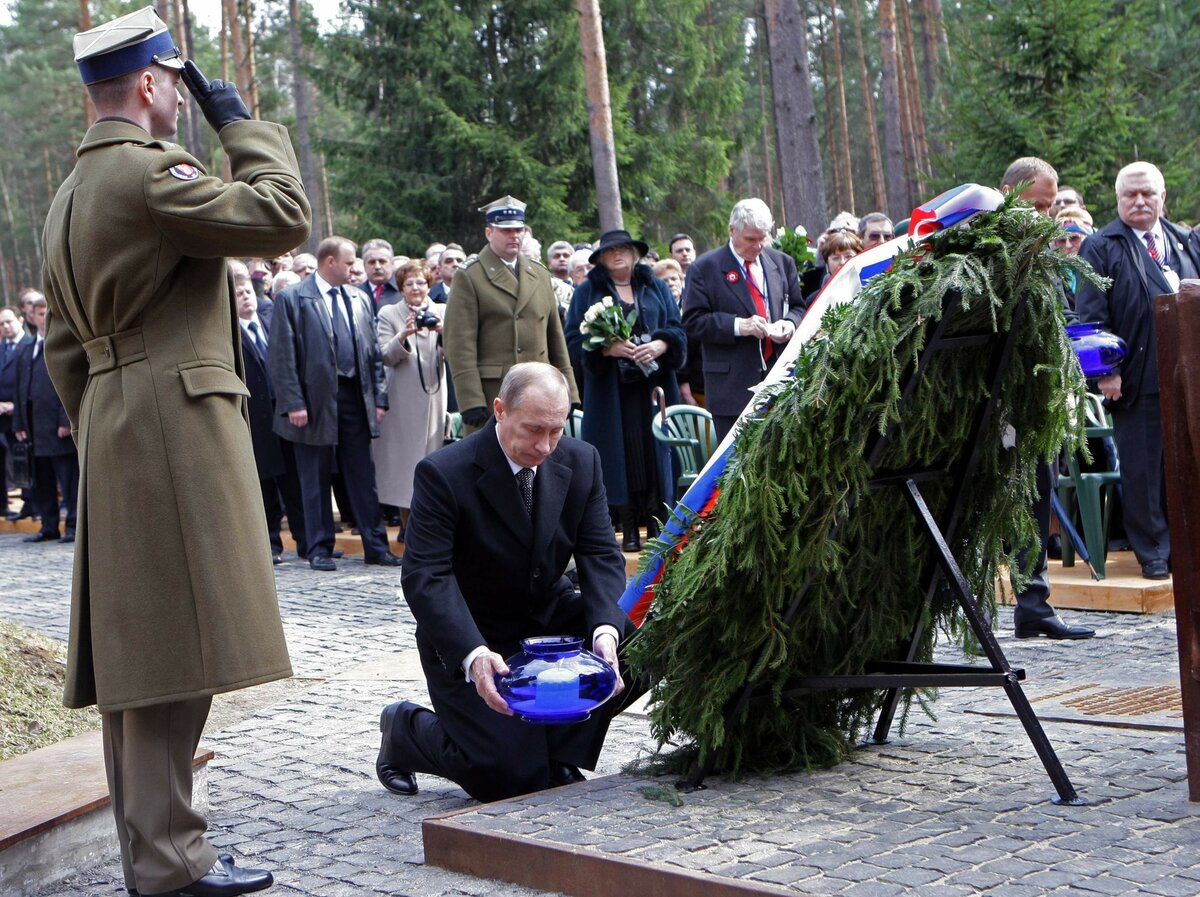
column 330, row 396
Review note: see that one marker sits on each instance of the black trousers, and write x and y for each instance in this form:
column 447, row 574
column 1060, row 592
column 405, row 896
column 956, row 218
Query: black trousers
column 51, row 476
column 489, row 755
column 1033, row 603
column 352, row 454
column 1137, row 428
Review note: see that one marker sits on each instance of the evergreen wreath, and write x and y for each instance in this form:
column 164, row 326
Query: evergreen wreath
column 799, row 467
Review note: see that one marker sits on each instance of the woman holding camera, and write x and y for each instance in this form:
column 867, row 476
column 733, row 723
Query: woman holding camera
column 411, row 344
column 619, row 379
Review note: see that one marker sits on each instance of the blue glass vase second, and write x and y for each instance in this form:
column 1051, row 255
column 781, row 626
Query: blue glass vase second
column 554, row 681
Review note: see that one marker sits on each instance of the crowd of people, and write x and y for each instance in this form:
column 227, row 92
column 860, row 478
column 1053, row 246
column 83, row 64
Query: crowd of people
column 435, row 334
column 348, row 363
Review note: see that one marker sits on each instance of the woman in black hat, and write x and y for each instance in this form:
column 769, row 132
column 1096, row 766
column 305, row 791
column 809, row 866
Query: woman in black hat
column 619, row 380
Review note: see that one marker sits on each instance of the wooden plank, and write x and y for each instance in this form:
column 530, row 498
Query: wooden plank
column 1122, row 590
column 56, row 784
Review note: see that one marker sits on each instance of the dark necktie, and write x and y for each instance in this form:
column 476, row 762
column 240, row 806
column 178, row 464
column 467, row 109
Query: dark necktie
column 760, row 306
column 260, row 344
column 343, row 342
column 1152, row 246
column 525, row 482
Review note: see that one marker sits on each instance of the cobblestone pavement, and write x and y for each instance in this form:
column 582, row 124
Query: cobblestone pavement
column 958, row 805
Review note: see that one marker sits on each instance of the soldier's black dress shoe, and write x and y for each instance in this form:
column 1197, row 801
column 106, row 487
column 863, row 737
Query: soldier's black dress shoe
column 40, row 537
column 564, row 774
column 322, row 562
column 68, row 536
column 385, row 560
column 224, row 857
column 1052, row 627
column 224, row 879
column 392, row 778
column 1156, row 570
column 277, row 559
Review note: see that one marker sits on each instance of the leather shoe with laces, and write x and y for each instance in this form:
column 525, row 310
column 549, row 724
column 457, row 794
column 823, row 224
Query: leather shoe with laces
column 1052, row 627
column 224, row 879
column 384, row 560
column 564, row 774
column 394, row 779
column 322, row 562
column 41, row 537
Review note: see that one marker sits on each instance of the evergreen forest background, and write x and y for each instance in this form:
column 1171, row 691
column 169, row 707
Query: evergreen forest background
column 409, row 114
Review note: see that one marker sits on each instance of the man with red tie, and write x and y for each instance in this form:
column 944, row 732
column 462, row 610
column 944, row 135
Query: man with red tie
column 379, row 262
column 1145, row 255
column 741, row 304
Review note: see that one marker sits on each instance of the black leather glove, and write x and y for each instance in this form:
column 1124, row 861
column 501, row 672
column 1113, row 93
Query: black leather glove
column 218, row 100
column 475, row 417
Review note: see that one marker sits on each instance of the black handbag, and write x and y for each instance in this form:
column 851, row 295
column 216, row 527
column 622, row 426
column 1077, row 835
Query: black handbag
column 20, row 465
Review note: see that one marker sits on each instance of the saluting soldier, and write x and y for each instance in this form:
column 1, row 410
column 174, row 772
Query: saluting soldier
column 503, row 312
column 142, row 344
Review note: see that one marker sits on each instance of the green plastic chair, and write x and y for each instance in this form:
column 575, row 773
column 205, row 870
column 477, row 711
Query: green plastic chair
column 689, row 431
column 1088, row 495
column 574, row 427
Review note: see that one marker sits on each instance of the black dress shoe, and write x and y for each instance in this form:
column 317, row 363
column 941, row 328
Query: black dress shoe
column 392, row 778
column 337, row 553
column 41, row 537
column 277, row 559
column 322, row 562
column 631, row 542
column 225, row 879
column 384, row 560
column 564, row 774
column 1052, row 627
column 1152, row 570
column 68, row 537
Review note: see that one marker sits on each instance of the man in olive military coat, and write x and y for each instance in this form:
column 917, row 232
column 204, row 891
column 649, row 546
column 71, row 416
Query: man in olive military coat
column 142, row 345
column 503, row 312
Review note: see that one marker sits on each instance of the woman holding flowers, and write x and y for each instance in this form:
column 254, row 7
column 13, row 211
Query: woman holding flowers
column 624, row 324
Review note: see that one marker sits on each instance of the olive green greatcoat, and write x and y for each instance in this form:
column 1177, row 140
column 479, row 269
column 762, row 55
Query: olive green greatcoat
column 173, row 596
column 495, row 320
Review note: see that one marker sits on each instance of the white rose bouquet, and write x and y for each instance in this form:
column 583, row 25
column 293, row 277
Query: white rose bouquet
column 604, row 325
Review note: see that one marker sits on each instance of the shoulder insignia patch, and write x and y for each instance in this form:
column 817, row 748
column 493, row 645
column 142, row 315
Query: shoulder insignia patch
column 184, row 172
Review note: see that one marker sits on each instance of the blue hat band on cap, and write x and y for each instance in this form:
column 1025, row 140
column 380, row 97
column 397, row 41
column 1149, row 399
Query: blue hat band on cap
column 506, row 216
column 126, row 59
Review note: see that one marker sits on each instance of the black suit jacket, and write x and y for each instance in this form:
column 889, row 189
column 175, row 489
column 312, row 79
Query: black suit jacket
column 268, row 456
column 303, row 367
column 477, row 571
column 715, row 293
column 8, row 381
column 390, row 296
column 39, row 411
column 1126, row 308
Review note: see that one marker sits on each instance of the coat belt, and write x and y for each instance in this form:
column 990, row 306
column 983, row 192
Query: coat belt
column 115, row 350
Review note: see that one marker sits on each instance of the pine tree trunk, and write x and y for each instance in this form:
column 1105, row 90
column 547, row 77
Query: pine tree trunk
column 830, row 146
column 604, row 156
column 937, row 53
column 878, row 194
column 183, row 24
column 235, row 45
column 897, row 192
column 916, row 110
column 768, row 156
column 85, row 24
column 251, row 62
column 303, row 140
column 795, row 117
column 843, row 119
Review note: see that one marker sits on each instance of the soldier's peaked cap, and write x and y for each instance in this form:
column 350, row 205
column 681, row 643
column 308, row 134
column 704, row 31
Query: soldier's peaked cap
column 126, row 44
column 507, row 211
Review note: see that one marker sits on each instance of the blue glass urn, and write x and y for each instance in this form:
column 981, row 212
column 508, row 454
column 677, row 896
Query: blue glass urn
column 554, row 680
column 1099, row 352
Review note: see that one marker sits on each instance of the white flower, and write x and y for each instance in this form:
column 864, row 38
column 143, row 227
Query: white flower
column 583, row 326
column 608, row 302
column 591, row 314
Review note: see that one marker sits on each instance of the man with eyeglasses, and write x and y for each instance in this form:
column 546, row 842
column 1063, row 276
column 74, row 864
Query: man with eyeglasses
column 875, row 228
column 449, row 262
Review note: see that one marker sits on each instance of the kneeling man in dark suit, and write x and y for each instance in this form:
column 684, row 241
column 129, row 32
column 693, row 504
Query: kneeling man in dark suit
column 484, row 556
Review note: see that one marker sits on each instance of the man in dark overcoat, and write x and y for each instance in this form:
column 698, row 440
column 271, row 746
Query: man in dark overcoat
column 12, row 338
column 41, row 420
column 741, row 304
column 277, row 478
column 483, row 570
column 330, row 396
column 142, row 345
column 1145, row 255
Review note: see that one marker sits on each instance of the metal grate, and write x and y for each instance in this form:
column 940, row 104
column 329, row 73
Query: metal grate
column 1097, row 700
